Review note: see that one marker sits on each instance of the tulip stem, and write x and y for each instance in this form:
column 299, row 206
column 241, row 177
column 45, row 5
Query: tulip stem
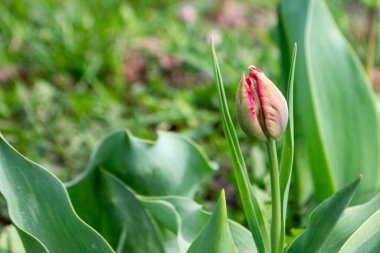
column 276, row 200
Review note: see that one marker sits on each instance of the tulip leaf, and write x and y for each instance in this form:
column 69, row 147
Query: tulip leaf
column 323, row 220
column 216, row 235
column 171, row 165
column 371, row 245
column 30, row 243
column 334, row 104
column 368, row 229
column 352, row 219
column 126, row 225
column 287, row 155
column 40, row 209
column 168, row 222
column 181, row 220
column 250, row 203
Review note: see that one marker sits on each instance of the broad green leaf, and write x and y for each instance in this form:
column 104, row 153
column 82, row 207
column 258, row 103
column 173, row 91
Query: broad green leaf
column 334, row 105
column 185, row 219
column 372, row 245
column 30, row 243
column 216, row 235
column 251, row 206
column 287, row 155
column 369, row 228
column 303, row 184
column 352, row 219
column 105, row 203
column 323, row 220
column 39, row 207
column 169, row 223
column 136, row 232
column 169, row 165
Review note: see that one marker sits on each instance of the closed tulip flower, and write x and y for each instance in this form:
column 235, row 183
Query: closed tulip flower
column 261, row 108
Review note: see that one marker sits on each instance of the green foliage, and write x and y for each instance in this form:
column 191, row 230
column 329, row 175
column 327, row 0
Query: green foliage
column 332, row 228
column 352, row 219
column 216, row 235
column 136, row 162
column 287, row 156
column 40, row 208
column 371, row 245
column 372, row 3
column 64, row 83
column 180, row 220
column 169, row 166
column 335, row 109
column 10, row 241
column 103, row 199
column 322, row 221
column 251, row 205
column 73, row 58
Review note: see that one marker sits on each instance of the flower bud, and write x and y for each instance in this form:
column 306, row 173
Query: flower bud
column 261, row 108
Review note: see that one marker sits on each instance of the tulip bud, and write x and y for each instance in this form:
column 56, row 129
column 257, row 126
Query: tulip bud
column 261, row 108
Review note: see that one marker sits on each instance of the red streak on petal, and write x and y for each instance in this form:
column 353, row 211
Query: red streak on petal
column 251, row 96
column 253, row 71
column 253, row 74
column 259, row 88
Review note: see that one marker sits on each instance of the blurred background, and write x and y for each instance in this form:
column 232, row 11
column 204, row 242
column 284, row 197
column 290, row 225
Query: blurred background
column 73, row 71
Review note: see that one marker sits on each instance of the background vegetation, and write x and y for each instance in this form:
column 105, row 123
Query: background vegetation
column 71, row 72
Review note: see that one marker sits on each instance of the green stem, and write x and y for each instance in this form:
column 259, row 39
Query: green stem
column 371, row 42
column 275, row 232
column 251, row 206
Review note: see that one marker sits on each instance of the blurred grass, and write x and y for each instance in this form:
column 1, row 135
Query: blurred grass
column 73, row 71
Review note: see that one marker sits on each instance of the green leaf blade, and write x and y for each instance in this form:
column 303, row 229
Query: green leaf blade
column 42, row 212
column 114, row 211
column 372, row 245
column 356, row 139
column 190, row 218
column 170, row 165
column 323, row 220
column 333, row 92
column 216, row 235
column 364, row 233
column 286, row 163
column 137, row 232
column 352, row 219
